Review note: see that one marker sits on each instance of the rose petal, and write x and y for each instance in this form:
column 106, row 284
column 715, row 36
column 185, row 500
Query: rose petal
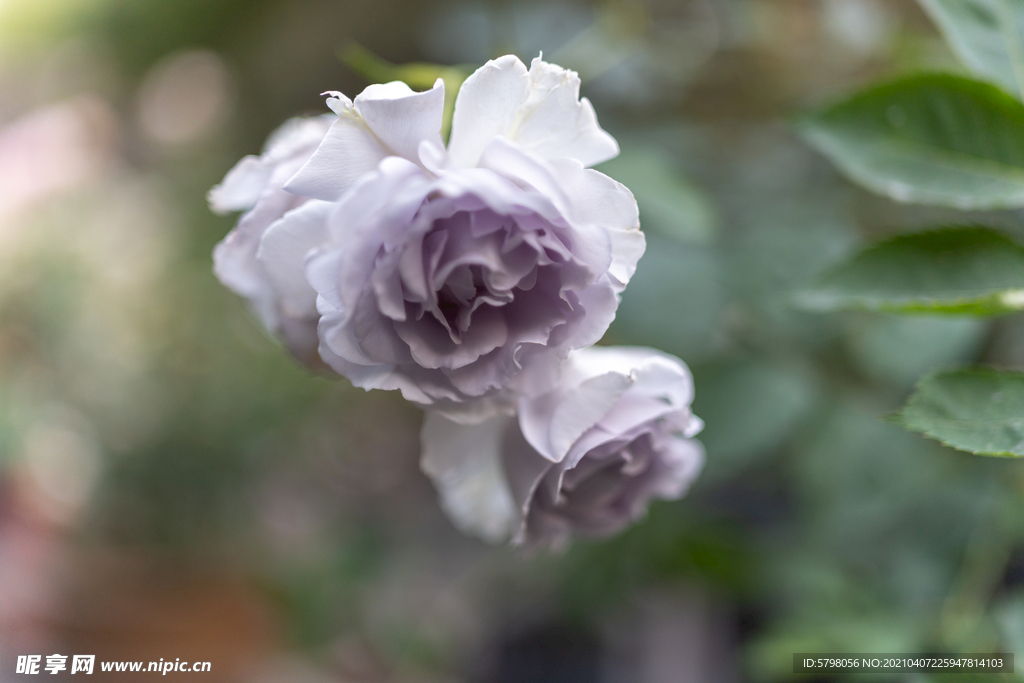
column 490, row 372
column 387, row 285
column 295, row 140
column 555, row 122
column 597, row 199
column 234, row 257
column 384, row 200
column 683, row 460
column 539, row 109
column 299, row 336
column 524, row 470
column 432, row 347
column 283, row 250
column 464, row 462
column 338, row 337
column 348, row 152
column 402, row 119
column 376, row 333
column 635, row 410
column 598, row 304
column 486, row 107
column 487, row 188
column 553, row 422
column 241, row 186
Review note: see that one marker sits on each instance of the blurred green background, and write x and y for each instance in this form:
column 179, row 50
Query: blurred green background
column 172, row 485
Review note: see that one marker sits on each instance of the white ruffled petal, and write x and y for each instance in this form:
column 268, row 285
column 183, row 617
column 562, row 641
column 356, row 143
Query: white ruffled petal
column 465, row 464
column 401, row 118
column 599, row 302
column 241, row 186
column 486, row 107
column 597, row 199
column 684, row 459
column 553, row 422
column 296, row 138
column 588, row 404
column 555, row 123
column 540, row 110
column 283, row 250
column 286, row 150
column 348, row 152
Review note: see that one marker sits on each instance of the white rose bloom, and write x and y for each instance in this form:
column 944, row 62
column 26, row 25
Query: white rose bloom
column 441, row 271
column 583, row 458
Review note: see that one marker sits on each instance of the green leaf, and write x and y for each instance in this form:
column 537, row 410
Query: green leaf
column 985, row 35
column 978, row 410
column 949, row 271
column 929, row 139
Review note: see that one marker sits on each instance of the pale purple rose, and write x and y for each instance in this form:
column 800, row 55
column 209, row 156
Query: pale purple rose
column 444, row 270
column 256, row 185
column 584, row 458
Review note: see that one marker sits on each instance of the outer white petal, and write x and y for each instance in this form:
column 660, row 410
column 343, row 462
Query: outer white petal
column 599, row 200
column 465, row 464
column 627, row 360
column 296, row 137
column 555, row 123
column 234, row 258
column 283, row 250
column 553, row 422
column 402, row 119
column 241, row 186
column 486, row 107
column 666, row 378
column 539, row 109
column 684, row 459
column 583, row 408
column 286, row 150
column 661, row 385
column 347, row 153
column 338, row 102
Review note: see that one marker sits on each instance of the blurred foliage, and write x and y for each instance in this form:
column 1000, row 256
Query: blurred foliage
column 985, row 36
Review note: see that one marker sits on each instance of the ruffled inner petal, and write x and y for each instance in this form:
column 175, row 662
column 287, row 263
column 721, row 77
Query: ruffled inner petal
column 432, row 346
column 460, row 279
column 376, row 333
